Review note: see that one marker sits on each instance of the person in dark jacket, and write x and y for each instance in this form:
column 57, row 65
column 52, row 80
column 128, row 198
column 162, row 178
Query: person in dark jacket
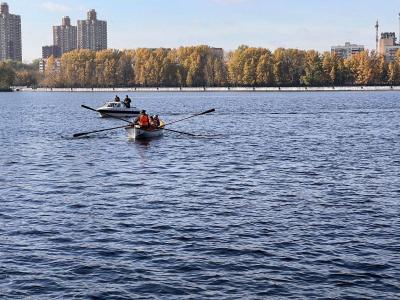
column 127, row 102
column 156, row 121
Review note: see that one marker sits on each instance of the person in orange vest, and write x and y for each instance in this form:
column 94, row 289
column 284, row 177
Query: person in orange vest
column 143, row 120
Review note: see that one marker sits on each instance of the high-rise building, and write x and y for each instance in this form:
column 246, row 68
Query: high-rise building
column 387, row 39
column 10, row 35
column 219, row 52
column 347, row 50
column 92, row 33
column 388, row 46
column 48, row 51
column 65, row 36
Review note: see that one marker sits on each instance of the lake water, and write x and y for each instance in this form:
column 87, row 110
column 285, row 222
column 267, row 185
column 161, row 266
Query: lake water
column 287, row 196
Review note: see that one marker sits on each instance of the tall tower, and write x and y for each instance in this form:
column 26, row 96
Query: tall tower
column 65, row 36
column 10, row 34
column 92, row 33
column 377, row 36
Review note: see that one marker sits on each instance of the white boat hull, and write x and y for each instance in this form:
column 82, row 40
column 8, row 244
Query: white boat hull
column 121, row 113
column 136, row 133
column 117, row 109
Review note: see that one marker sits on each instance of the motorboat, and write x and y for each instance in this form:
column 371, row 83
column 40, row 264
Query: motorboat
column 135, row 132
column 117, row 109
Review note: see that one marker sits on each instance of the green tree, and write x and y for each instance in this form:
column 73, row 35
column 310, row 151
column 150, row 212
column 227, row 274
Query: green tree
column 7, row 76
column 313, row 70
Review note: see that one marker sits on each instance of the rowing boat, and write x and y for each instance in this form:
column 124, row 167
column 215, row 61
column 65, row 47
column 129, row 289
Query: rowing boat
column 137, row 133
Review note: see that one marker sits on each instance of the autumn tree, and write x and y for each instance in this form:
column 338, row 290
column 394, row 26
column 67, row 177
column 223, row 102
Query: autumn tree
column 265, row 69
column 249, row 66
column 393, row 70
column 360, row 68
column 203, row 66
column 124, row 70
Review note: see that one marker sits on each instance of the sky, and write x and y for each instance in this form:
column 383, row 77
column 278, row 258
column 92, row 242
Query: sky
column 303, row 24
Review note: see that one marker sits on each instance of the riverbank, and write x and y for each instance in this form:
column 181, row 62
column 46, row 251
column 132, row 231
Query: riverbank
column 216, row 89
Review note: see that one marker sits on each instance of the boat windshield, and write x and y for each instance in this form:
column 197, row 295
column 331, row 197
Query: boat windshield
column 113, row 104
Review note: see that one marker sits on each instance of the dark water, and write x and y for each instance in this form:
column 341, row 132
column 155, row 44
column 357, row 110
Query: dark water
column 296, row 197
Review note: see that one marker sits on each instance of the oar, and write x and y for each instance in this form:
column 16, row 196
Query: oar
column 108, row 115
column 181, row 132
column 101, row 130
column 200, row 114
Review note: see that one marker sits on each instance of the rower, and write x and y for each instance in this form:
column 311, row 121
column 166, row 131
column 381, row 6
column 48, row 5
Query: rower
column 143, row 120
column 156, row 121
column 152, row 124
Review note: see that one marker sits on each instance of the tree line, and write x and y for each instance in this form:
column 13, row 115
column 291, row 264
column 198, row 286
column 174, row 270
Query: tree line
column 202, row 66
column 186, row 66
column 13, row 73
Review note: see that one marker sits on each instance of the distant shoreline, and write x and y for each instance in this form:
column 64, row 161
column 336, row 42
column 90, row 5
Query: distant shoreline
column 216, row 89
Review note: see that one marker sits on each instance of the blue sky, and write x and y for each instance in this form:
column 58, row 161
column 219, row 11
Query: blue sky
column 307, row 24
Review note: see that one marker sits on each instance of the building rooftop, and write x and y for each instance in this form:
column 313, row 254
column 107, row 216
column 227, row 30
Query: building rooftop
column 388, row 35
column 4, row 8
column 348, row 45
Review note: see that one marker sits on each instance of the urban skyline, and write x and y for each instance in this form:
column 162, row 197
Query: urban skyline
column 87, row 34
column 270, row 33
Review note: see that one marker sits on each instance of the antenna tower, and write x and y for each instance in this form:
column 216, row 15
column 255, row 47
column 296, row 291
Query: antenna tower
column 377, row 34
column 399, row 27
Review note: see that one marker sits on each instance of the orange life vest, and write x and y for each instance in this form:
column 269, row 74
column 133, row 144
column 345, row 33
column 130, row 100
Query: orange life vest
column 144, row 121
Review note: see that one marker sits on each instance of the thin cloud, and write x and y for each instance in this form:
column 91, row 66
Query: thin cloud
column 55, row 7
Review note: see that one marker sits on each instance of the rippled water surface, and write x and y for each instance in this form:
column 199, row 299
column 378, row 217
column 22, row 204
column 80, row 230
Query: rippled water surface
column 290, row 196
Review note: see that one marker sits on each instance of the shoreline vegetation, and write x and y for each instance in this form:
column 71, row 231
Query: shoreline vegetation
column 215, row 89
column 203, row 66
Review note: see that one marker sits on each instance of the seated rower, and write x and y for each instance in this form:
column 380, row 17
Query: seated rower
column 157, row 122
column 143, row 120
column 152, row 124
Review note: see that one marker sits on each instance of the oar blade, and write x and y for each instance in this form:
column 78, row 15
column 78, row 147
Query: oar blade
column 208, row 111
column 76, row 135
